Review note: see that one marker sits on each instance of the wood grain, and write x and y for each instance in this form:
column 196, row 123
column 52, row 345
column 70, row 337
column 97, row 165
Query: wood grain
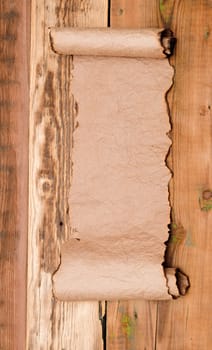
column 185, row 323
column 134, row 13
column 14, row 48
column 131, row 325
column 52, row 324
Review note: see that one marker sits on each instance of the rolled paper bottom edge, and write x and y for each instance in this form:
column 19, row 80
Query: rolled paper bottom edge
column 177, row 282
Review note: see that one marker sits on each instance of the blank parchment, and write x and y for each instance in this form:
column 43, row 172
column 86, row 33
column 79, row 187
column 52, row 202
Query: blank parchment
column 119, row 194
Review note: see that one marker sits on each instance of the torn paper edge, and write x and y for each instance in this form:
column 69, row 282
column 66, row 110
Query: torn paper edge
column 177, row 282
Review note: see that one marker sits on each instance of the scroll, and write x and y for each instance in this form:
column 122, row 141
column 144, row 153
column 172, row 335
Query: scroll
column 119, row 194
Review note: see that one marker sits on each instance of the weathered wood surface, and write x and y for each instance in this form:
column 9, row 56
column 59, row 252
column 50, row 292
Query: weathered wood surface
column 179, row 325
column 14, row 49
column 52, row 324
column 182, row 324
column 187, row 322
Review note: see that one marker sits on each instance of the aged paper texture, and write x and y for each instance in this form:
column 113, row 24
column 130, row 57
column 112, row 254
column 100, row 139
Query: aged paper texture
column 119, row 195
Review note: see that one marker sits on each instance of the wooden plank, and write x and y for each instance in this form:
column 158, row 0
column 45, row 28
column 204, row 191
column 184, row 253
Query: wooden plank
column 131, row 325
column 186, row 323
column 52, row 324
column 183, row 323
column 14, row 42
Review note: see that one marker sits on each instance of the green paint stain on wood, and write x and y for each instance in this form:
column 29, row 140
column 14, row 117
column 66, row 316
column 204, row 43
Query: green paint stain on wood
column 189, row 241
column 128, row 325
column 166, row 11
column 175, row 239
column 174, row 226
column 112, row 336
column 162, row 6
column 207, row 205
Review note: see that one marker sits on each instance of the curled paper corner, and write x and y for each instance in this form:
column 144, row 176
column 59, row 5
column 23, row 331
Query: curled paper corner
column 177, row 282
column 168, row 41
column 51, row 40
column 183, row 282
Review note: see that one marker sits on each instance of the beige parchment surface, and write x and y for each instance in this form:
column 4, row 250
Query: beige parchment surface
column 119, row 194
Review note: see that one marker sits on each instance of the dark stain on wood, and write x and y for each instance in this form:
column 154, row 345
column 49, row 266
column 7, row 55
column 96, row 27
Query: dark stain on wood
column 7, row 60
column 49, row 95
column 39, row 70
column 13, row 207
column 11, row 15
column 8, row 37
column 47, row 176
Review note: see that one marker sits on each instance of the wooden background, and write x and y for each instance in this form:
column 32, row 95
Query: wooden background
column 47, row 110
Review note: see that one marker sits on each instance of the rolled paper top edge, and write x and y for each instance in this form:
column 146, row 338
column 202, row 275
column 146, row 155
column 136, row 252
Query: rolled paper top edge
column 140, row 43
